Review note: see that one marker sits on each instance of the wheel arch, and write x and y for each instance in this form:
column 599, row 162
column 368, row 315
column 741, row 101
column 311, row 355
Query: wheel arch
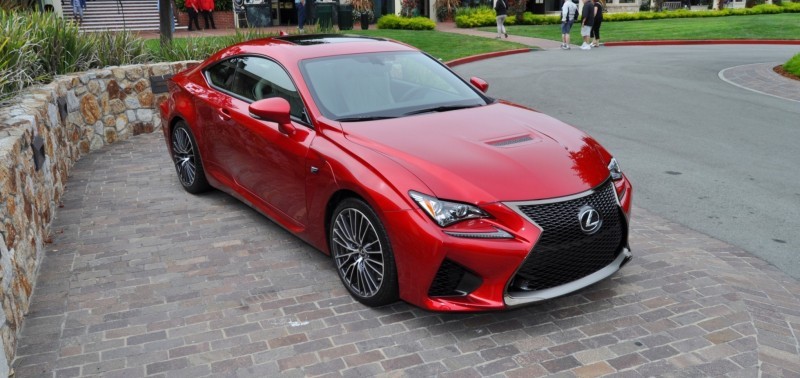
column 334, row 201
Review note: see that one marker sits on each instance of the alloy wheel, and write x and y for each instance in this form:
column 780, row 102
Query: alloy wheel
column 184, row 156
column 358, row 252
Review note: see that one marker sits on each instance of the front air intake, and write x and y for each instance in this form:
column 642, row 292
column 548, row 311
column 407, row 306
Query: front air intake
column 453, row 280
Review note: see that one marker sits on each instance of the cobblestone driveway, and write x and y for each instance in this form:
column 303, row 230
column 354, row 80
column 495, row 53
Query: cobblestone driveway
column 143, row 279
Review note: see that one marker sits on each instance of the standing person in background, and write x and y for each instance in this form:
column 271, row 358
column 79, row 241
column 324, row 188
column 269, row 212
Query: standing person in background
column 77, row 10
column 586, row 24
column 300, row 5
column 501, row 9
column 598, row 19
column 192, row 7
column 569, row 13
column 207, row 8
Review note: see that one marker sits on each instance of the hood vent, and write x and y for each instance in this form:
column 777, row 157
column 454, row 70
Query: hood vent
column 510, row 141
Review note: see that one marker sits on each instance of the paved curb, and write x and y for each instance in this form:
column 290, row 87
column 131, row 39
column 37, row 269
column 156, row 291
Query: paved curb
column 706, row 42
column 475, row 58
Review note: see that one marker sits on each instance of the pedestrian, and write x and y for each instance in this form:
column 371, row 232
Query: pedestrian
column 300, row 5
column 598, row 19
column 207, row 8
column 501, row 9
column 587, row 20
column 77, row 10
column 569, row 13
column 192, row 8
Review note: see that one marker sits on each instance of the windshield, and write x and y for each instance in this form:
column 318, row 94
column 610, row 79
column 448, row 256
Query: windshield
column 385, row 85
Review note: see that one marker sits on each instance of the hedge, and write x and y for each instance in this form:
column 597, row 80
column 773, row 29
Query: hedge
column 391, row 21
column 792, row 66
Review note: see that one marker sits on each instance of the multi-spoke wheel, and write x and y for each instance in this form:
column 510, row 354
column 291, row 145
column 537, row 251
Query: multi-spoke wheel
column 187, row 160
column 362, row 254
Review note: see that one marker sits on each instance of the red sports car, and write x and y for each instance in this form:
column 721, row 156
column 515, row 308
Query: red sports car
column 419, row 185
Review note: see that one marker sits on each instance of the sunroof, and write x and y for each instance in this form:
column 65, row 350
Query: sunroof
column 317, row 39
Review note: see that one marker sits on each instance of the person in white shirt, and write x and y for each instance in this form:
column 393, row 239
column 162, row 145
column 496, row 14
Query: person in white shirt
column 569, row 13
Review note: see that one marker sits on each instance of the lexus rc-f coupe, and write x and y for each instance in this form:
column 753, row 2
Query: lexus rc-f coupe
column 417, row 184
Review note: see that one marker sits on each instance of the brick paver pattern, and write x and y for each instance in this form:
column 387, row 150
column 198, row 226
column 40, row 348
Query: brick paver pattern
column 144, row 279
column 761, row 77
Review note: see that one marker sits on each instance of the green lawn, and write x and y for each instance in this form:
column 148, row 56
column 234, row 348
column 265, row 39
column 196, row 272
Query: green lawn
column 445, row 46
column 767, row 26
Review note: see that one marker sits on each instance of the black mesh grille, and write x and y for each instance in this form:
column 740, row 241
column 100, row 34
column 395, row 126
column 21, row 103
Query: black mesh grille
column 446, row 280
column 565, row 253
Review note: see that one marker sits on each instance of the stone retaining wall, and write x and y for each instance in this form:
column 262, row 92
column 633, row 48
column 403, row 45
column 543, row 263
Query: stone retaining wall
column 61, row 121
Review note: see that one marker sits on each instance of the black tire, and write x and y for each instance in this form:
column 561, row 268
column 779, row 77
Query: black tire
column 362, row 254
column 187, row 161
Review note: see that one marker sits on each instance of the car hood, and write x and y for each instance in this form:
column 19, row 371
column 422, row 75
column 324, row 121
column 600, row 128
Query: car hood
column 496, row 152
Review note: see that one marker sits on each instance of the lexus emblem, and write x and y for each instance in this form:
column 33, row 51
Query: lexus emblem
column 589, row 219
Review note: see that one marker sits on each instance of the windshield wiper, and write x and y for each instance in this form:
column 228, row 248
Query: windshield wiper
column 364, row 118
column 444, row 108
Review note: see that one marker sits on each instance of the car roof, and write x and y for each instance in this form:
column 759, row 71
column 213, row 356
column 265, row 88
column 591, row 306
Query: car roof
column 305, row 46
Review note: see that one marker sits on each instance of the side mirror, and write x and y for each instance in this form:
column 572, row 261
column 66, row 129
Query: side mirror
column 479, row 83
column 274, row 109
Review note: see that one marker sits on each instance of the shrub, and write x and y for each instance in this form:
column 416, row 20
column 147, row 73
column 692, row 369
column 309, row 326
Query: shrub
column 540, row 19
column 35, row 47
column 768, row 9
column 791, row 7
column 408, row 8
column 792, row 66
column 445, row 9
column 202, row 48
column 473, row 17
column 18, row 56
column 391, row 21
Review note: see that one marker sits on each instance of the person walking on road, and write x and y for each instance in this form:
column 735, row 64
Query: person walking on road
column 207, row 9
column 598, row 19
column 192, row 8
column 569, row 13
column 501, row 9
column 586, row 24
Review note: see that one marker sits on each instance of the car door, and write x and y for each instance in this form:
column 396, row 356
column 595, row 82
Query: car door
column 266, row 163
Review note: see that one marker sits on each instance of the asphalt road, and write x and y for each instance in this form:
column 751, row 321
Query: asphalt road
column 704, row 153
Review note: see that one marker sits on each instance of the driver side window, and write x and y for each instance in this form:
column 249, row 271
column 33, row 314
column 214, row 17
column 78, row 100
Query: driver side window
column 254, row 78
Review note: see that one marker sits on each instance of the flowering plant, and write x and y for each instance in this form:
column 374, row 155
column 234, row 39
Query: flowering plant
column 408, row 7
column 517, row 7
column 446, row 9
column 362, row 7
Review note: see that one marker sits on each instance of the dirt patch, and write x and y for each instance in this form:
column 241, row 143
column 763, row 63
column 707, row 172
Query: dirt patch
column 780, row 71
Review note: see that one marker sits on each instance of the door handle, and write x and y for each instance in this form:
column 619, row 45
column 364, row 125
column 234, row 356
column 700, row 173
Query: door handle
column 225, row 114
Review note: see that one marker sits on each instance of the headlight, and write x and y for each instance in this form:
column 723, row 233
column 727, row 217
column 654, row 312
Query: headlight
column 445, row 213
column 613, row 168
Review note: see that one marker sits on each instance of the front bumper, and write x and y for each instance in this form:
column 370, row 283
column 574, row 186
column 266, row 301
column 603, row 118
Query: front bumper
column 522, row 298
column 485, row 274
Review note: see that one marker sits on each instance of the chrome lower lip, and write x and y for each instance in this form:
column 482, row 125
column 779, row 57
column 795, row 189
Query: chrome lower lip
column 553, row 292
